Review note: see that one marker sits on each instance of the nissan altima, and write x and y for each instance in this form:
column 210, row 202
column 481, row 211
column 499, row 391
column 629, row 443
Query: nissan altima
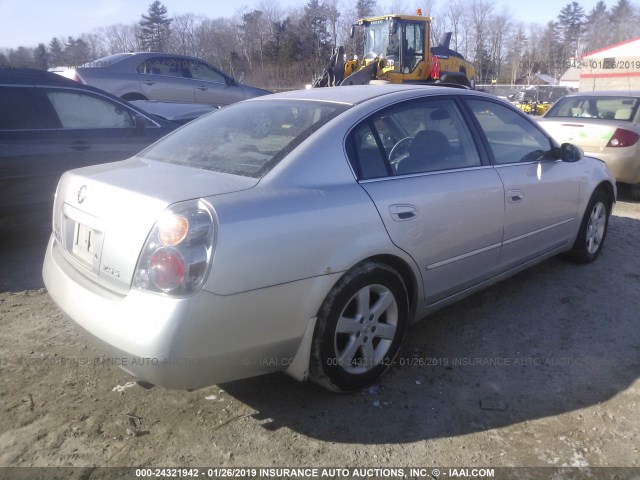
column 306, row 231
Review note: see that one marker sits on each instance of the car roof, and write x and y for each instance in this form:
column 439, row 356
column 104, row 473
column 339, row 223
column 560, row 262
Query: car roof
column 30, row 76
column 355, row 94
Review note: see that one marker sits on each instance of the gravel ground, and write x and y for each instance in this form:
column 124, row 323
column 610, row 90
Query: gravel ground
column 539, row 370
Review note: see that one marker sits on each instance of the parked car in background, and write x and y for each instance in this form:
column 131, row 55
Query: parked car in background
column 49, row 124
column 161, row 76
column 605, row 125
column 173, row 111
column 306, row 231
column 537, row 99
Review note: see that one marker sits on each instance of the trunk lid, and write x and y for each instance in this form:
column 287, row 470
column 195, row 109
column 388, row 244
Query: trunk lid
column 592, row 135
column 104, row 213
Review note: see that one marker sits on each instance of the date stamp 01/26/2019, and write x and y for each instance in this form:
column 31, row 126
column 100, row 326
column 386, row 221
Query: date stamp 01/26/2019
column 603, row 64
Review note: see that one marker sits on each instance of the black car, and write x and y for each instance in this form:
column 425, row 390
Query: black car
column 50, row 124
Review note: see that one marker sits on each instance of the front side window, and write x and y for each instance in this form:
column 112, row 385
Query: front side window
column 202, row 71
column 80, row 110
column 411, row 138
column 376, row 39
column 246, row 139
column 512, row 137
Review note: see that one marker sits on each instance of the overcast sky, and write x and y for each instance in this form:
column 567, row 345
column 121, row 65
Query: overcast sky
column 44, row 19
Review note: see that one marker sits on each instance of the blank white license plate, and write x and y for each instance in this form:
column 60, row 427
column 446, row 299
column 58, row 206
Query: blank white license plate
column 85, row 243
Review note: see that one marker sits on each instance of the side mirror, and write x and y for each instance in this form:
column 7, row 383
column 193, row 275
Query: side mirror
column 570, row 152
column 394, row 27
column 352, row 31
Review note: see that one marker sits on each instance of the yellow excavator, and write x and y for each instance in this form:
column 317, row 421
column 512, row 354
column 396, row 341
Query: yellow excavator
column 397, row 49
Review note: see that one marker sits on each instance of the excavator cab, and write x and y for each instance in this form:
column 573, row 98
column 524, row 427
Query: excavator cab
column 399, row 41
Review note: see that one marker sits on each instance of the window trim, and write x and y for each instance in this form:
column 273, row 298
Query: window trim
column 485, row 161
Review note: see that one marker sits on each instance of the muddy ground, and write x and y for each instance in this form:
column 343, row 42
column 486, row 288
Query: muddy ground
column 540, row 370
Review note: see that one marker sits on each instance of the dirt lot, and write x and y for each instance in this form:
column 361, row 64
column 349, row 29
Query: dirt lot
column 541, row 370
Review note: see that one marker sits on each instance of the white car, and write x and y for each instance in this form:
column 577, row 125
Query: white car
column 606, row 126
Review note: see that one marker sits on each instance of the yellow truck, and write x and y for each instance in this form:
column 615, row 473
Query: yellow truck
column 397, row 49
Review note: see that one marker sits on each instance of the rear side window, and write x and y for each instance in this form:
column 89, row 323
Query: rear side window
column 23, row 109
column 410, row 138
column 79, row 110
column 167, row 66
column 246, row 139
column 512, row 137
column 611, row 108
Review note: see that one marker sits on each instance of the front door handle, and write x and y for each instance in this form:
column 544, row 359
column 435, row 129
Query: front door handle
column 401, row 213
column 514, row 196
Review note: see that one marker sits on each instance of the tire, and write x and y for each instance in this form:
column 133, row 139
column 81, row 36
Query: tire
column 634, row 191
column 360, row 328
column 593, row 229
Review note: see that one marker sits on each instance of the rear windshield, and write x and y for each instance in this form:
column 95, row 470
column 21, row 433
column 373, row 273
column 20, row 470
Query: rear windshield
column 246, row 139
column 611, row 108
column 106, row 61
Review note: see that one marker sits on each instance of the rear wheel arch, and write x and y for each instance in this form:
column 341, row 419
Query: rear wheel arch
column 406, row 272
column 382, row 276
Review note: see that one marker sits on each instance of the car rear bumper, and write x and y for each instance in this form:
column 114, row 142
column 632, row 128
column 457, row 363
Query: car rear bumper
column 624, row 163
column 187, row 343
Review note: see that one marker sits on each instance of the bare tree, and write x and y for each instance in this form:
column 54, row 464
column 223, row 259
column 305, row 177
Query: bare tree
column 121, row 38
column 480, row 11
column 183, row 34
column 499, row 26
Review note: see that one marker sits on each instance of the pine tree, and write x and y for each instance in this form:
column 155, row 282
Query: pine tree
column 56, row 52
column 155, row 28
column 597, row 27
column 571, row 26
column 623, row 21
column 41, row 57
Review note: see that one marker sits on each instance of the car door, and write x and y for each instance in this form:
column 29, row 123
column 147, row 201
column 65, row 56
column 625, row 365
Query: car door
column 31, row 153
column 164, row 79
column 419, row 163
column 212, row 87
column 541, row 191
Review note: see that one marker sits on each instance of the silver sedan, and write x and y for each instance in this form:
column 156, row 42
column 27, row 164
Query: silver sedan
column 161, row 77
column 305, row 231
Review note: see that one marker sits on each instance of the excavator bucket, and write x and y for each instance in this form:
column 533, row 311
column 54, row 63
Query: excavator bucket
column 362, row 76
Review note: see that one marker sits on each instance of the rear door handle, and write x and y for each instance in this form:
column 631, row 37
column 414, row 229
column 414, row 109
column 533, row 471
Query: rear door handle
column 401, row 213
column 514, row 196
column 202, row 88
column 149, row 83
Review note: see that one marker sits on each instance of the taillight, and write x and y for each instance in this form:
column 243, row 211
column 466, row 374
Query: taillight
column 167, row 269
column 178, row 251
column 623, row 138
